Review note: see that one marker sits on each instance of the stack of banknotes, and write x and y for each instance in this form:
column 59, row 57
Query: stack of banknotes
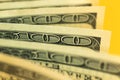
column 55, row 40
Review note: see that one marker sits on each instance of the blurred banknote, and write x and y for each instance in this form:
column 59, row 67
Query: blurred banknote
column 73, row 56
column 14, row 0
column 49, row 2
column 76, row 73
column 46, row 3
column 78, row 63
column 12, row 68
column 97, row 40
column 83, row 17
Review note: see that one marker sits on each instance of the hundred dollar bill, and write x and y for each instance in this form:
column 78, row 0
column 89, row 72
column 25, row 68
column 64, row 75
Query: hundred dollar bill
column 12, row 68
column 46, row 3
column 1, row 1
column 55, row 2
column 97, row 40
column 75, row 72
column 84, row 17
column 71, row 56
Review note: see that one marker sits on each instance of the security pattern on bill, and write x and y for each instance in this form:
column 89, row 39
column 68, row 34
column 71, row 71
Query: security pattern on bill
column 55, row 40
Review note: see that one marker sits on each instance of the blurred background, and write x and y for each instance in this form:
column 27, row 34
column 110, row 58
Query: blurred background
column 112, row 23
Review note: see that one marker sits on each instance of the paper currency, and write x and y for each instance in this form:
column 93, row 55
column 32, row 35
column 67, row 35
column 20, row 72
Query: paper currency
column 72, row 56
column 71, row 60
column 12, row 68
column 84, row 17
column 49, row 2
column 1, row 1
column 97, row 40
column 76, row 73
column 46, row 3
